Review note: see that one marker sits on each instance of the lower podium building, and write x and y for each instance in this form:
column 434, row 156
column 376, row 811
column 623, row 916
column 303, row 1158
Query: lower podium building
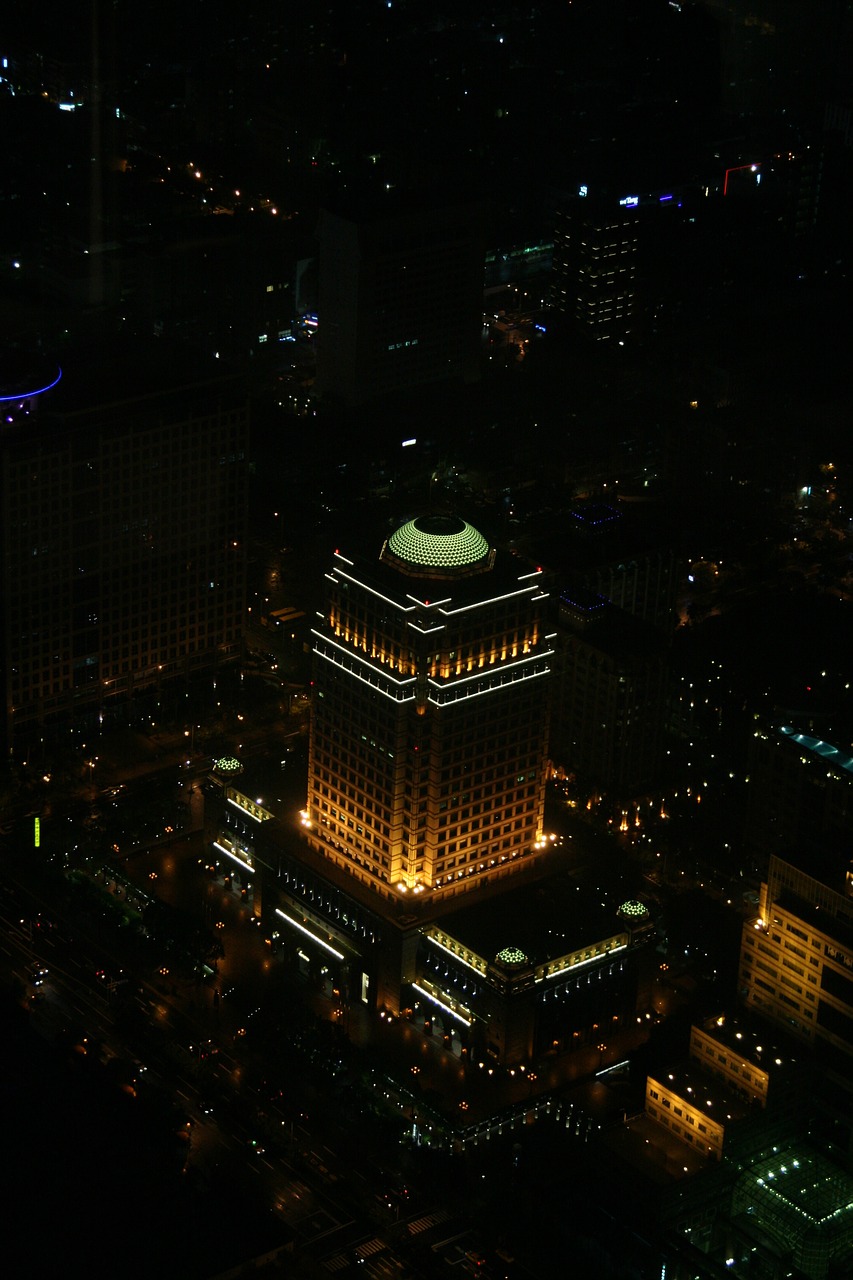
column 422, row 881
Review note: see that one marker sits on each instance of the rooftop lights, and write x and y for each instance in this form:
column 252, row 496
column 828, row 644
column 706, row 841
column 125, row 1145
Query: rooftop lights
column 633, row 909
column 228, row 764
column 437, row 542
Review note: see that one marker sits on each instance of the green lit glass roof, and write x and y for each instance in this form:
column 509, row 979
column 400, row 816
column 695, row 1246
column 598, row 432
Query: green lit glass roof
column 444, row 543
column 227, row 764
column 830, row 754
column 633, row 909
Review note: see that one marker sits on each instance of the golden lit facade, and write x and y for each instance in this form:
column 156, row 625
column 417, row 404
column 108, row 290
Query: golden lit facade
column 428, row 739
column 686, row 1110
column 734, row 1064
column 796, row 960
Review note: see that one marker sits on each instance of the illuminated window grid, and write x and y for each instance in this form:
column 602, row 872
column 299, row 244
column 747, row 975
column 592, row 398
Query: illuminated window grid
column 412, row 845
column 686, row 1121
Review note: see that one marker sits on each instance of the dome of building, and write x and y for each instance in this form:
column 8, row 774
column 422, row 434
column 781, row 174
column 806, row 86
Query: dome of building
column 438, row 546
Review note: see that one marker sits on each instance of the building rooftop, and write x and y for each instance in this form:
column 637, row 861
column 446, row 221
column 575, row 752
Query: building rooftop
column 437, row 546
column 537, row 922
column 800, row 1197
column 462, row 555
column 751, row 1041
column 705, row 1091
column 825, row 751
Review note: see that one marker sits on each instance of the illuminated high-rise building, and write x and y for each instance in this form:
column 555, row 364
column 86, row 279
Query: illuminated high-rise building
column 425, row 885
column 428, row 740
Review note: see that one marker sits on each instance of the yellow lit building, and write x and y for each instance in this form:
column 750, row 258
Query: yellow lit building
column 796, row 966
column 694, row 1107
column 428, row 737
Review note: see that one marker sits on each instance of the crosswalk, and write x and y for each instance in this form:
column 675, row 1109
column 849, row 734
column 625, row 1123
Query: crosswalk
column 361, row 1251
column 431, row 1220
column 381, row 1260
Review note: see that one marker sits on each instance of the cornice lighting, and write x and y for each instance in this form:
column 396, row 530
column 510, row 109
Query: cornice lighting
column 229, row 854
column 446, row 1007
column 480, row 604
column 428, row 604
column 447, row 694
column 397, row 604
column 487, row 672
column 255, row 812
column 356, row 657
column 579, row 964
column 335, row 662
column 435, row 942
column 301, row 927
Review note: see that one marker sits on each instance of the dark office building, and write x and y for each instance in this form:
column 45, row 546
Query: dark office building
column 122, row 534
column 401, row 300
column 596, row 243
column 611, row 695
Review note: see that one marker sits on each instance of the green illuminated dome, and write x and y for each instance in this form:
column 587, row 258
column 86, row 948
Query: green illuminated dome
column 634, row 911
column 438, row 546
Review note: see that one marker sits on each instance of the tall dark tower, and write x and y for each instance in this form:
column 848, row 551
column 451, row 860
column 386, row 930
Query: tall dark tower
column 401, row 300
column 595, row 263
column 122, row 541
column 428, row 742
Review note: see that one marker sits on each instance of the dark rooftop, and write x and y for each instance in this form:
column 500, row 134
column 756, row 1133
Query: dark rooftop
column 545, row 919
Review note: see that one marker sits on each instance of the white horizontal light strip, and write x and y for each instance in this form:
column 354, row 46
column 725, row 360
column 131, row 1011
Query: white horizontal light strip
column 243, row 809
column 534, row 574
column 339, row 955
column 338, row 556
column 428, row 604
column 425, row 631
column 485, row 672
column 479, row 604
column 445, row 697
column 435, row 942
column 626, row 1062
column 336, row 662
column 397, row 604
column 356, row 657
column 446, row 1007
column 229, row 854
column 579, row 964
